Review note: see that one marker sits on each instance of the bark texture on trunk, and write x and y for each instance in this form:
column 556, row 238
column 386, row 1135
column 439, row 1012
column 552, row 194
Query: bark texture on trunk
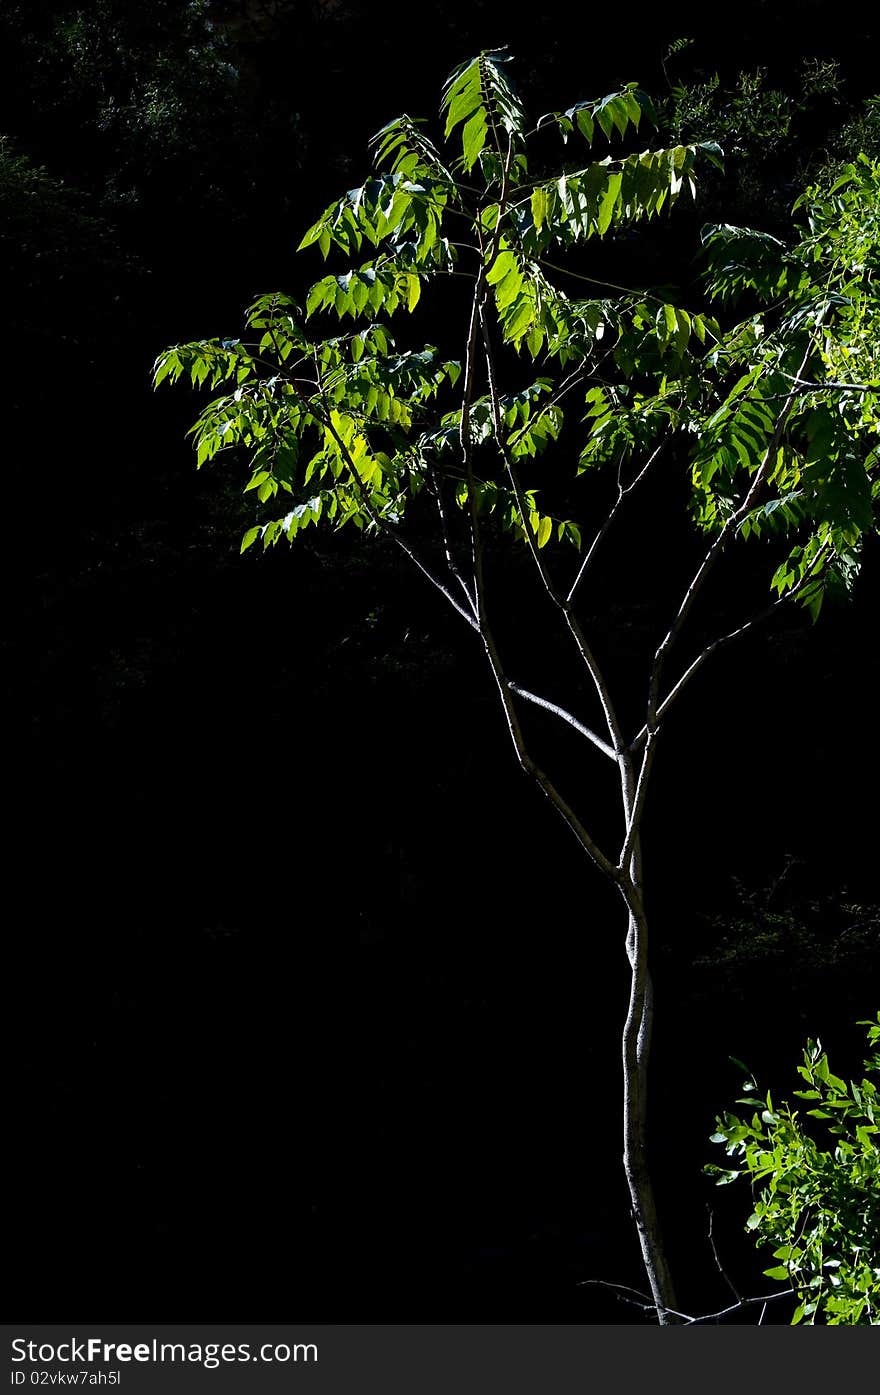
column 636, row 1046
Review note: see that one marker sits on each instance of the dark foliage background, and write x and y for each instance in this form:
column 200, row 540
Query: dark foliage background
column 313, row 1009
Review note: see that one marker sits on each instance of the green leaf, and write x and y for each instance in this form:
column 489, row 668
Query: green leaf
column 502, row 266
column 474, row 137
column 608, row 205
column 463, row 106
column 314, row 232
column 713, row 153
column 519, row 322
column 257, row 478
column 585, row 124
column 462, row 95
column 535, row 341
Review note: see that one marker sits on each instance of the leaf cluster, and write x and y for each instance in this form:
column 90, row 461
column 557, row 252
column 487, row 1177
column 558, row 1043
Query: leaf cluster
column 777, row 412
column 816, row 1189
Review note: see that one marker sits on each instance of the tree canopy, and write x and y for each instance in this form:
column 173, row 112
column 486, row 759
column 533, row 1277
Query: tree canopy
column 666, row 370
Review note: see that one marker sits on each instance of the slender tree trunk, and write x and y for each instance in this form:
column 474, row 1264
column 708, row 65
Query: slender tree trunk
column 636, row 1046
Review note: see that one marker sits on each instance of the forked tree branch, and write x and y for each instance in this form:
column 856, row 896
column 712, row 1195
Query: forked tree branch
column 635, row 1298
column 599, row 683
column 622, row 492
column 713, row 647
column 715, row 550
column 383, row 526
column 530, row 767
column 637, row 803
column 505, row 688
column 762, row 1298
column 435, row 486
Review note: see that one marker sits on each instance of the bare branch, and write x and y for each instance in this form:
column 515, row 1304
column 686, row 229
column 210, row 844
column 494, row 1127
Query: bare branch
column 464, row 437
column 565, row 716
column 435, row 486
column 505, row 691
column 622, row 492
column 763, row 1298
column 558, row 600
column 637, row 803
column 838, row 387
column 636, row 1299
column 495, row 402
column 385, row 527
column 593, row 281
column 717, row 547
column 720, row 1267
column 714, row 646
column 425, row 570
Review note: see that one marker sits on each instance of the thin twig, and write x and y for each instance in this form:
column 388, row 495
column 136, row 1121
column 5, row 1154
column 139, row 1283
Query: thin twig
column 838, row 387
column 715, row 1255
column 763, row 1298
column 622, row 492
column 718, row 545
column 435, row 486
column 382, row 525
column 714, row 646
column 641, row 1300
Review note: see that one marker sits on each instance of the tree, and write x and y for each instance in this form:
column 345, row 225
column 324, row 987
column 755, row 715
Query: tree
column 819, row 1209
column 771, row 419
